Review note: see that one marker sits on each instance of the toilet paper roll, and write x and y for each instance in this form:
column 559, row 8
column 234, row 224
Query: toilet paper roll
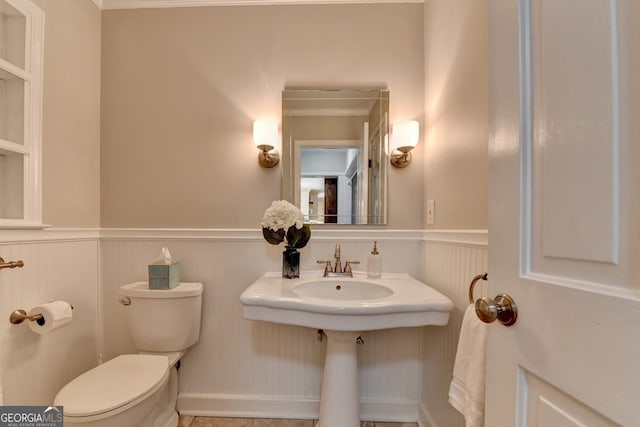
column 55, row 315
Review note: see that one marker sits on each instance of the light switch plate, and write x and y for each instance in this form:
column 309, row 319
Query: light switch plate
column 431, row 211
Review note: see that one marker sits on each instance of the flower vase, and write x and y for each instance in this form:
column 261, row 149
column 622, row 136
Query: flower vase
column 290, row 263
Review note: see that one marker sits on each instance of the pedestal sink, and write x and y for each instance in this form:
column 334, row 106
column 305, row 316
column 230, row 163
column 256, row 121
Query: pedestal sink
column 343, row 308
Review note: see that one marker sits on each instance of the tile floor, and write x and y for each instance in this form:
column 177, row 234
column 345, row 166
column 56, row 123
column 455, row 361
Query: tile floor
column 187, row 421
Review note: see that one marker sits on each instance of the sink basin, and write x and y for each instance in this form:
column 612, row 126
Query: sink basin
column 343, row 307
column 341, row 290
column 345, row 304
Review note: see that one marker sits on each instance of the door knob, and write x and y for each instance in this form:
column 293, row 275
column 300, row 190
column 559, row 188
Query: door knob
column 502, row 308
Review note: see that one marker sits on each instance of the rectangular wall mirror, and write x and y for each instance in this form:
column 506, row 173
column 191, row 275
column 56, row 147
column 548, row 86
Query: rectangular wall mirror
column 334, row 157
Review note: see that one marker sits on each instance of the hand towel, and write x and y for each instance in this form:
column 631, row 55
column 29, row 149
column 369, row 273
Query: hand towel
column 466, row 392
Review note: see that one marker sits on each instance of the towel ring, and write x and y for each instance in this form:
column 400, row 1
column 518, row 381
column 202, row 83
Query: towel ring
column 472, row 286
column 502, row 308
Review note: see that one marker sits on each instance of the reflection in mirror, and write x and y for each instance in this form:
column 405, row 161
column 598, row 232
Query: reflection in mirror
column 333, row 154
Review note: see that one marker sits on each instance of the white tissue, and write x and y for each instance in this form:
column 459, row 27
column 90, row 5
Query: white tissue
column 165, row 256
column 55, row 315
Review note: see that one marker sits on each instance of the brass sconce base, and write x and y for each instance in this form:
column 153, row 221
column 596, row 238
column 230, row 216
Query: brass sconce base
column 400, row 158
column 268, row 157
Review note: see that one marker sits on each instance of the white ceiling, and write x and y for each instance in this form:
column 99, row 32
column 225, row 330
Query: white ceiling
column 148, row 4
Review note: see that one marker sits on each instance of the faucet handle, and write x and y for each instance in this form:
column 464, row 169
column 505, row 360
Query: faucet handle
column 347, row 266
column 327, row 266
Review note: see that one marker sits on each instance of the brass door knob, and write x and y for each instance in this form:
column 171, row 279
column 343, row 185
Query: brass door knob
column 501, row 308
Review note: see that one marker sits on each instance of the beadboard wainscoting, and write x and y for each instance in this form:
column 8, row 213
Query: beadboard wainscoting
column 58, row 265
column 239, row 367
column 450, row 259
column 257, row 369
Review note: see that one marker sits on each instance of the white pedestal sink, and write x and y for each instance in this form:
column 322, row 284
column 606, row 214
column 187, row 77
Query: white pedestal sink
column 343, row 308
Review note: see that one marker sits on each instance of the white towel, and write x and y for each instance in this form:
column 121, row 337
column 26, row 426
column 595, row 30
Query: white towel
column 466, row 392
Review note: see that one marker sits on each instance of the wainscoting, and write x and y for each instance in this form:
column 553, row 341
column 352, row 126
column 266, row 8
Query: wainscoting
column 57, row 266
column 242, row 368
column 239, row 368
column 449, row 262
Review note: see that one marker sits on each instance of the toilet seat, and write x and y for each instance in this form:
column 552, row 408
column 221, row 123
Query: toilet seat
column 114, row 386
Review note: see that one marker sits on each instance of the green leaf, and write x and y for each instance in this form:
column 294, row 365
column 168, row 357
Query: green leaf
column 273, row 237
column 298, row 238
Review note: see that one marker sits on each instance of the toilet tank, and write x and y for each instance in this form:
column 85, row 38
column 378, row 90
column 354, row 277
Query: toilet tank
column 163, row 320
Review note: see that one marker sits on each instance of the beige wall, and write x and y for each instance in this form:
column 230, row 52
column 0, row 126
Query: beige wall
column 181, row 88
column 456, row 107
column 71, row 113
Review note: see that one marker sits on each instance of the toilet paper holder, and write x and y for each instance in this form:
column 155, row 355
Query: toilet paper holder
column 19, row 316
column 10, row 264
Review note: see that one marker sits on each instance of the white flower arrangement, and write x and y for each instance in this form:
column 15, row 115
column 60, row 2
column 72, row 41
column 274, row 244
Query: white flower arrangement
column 282, row 220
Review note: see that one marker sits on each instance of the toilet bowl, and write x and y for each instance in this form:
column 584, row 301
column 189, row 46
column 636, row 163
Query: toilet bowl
column 122, row 391
column 139, row 390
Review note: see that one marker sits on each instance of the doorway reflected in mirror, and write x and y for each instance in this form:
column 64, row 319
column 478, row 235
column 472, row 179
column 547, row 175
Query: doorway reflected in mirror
column 335, row 154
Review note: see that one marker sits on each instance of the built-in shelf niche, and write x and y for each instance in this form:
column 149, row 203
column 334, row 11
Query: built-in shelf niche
column 21, row 57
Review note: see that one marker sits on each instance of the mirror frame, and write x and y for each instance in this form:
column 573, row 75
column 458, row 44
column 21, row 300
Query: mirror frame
column 377, row 106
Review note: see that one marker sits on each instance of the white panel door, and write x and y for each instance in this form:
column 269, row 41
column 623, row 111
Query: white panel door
column 564, row 208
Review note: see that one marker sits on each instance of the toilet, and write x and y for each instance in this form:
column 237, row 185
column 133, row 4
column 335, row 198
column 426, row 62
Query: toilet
column 139, row 390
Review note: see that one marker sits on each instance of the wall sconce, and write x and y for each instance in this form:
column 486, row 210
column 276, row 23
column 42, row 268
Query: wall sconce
column 404, row 139
column 266, row 138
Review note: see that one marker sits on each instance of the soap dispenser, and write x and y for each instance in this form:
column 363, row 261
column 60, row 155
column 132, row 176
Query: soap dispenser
column 374, row 263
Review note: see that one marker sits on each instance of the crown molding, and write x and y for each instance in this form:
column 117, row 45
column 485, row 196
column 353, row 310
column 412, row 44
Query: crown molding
column 327, row 112
column 156, row 4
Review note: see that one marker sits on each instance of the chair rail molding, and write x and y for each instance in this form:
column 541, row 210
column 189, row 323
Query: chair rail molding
column 477, row 238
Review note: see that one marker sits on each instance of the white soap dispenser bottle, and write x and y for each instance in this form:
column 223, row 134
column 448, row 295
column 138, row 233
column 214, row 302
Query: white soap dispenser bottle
column 374, row 263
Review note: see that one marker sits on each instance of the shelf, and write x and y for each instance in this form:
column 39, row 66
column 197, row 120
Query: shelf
column 12, row 147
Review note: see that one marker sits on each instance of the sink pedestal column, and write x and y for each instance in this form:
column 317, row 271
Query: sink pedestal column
column 340, row 395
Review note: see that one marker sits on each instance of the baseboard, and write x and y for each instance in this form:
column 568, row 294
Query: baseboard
column 424, row 418
column 247, row 406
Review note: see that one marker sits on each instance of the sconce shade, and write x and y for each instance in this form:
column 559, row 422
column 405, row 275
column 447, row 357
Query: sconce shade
column 266, row 138
column 405, row 134
column 404, row 139
column 265, row 133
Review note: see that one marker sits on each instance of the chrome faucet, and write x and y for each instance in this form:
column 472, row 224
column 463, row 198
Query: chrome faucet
column 337, row 269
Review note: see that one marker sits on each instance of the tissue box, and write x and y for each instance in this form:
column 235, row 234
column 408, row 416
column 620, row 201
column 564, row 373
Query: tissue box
column 164, row 276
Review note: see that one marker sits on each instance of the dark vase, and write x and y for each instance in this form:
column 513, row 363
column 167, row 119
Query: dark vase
column 290, row 263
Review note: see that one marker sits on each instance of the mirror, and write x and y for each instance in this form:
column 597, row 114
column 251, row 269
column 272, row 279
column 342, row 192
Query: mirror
column 334, row 161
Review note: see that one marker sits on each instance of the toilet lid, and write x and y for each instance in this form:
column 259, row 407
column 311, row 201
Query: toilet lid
column 113, row 384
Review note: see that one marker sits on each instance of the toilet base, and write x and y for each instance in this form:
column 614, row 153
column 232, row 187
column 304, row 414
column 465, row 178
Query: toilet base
column 168, row 416
column 158, row 410
column 170, row 419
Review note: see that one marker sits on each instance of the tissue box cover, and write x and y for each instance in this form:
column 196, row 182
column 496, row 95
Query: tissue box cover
column 164, row 276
